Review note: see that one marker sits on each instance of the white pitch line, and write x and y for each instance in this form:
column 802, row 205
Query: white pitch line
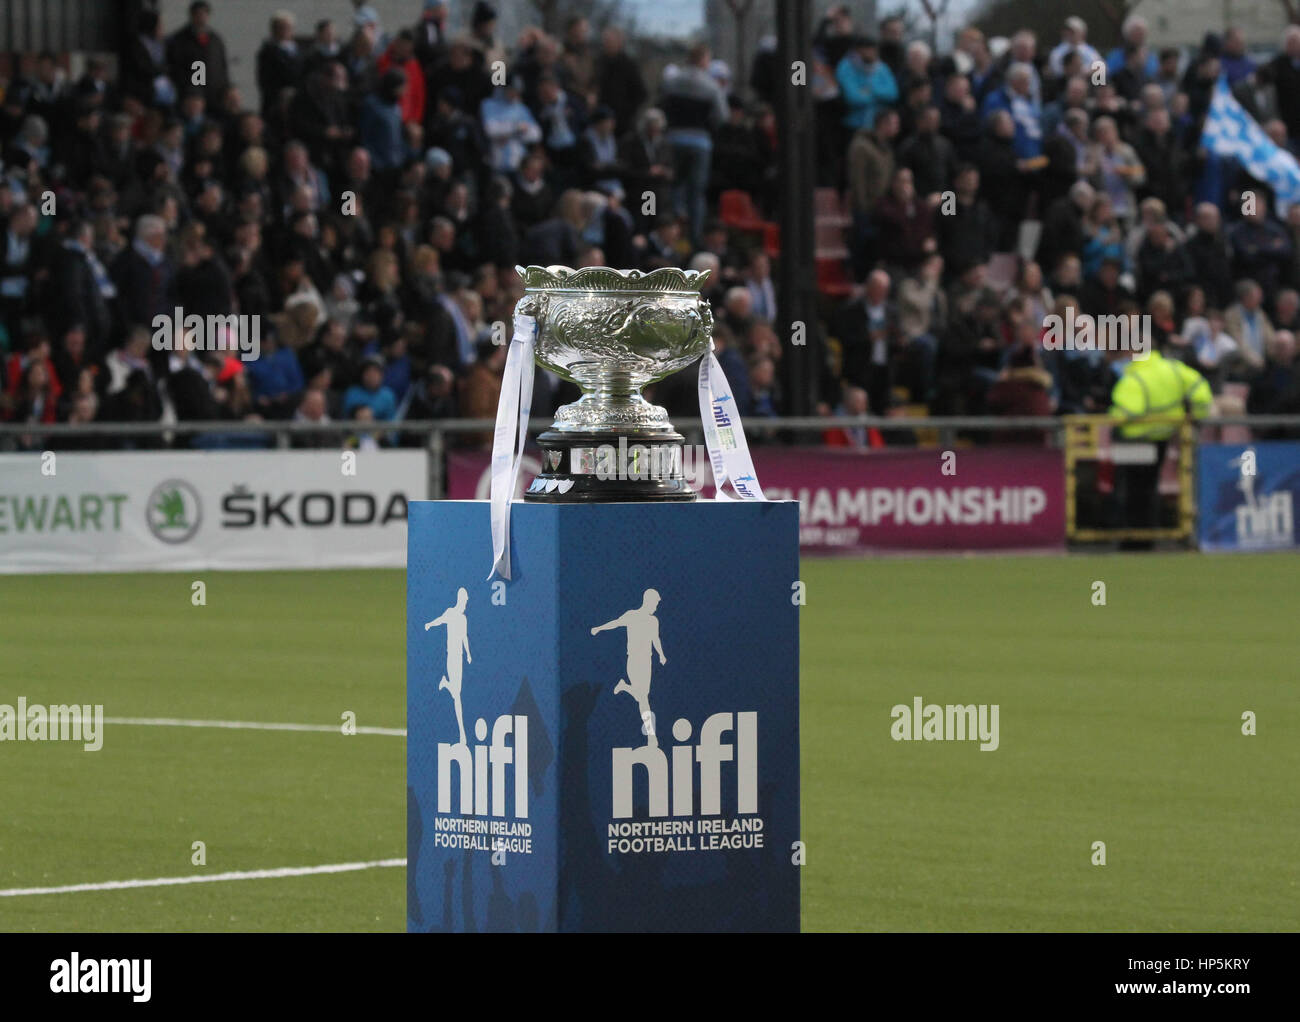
column 252, row 874
column 251, row 725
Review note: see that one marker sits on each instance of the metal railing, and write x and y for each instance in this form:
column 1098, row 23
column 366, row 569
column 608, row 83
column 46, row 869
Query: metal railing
column 439, row 434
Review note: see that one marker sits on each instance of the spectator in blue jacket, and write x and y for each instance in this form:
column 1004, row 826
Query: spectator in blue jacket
column 1235, row 63
column 1134, row 34
column 371, row 393
column 381, row 123
column 1103, row 239
column 396, row 360
column 726, row 346
column 1016, row 96
column 866, row 83
column 276, row 379
column 509, row 126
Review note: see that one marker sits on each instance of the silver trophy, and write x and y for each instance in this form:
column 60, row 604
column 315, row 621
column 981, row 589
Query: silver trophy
column 612, row 332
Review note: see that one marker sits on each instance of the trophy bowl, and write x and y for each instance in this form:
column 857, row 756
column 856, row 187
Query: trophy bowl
column 612, row 332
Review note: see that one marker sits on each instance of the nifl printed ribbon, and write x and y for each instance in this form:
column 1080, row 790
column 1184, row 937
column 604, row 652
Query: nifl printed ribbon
column 724, row 435
column 513, row 411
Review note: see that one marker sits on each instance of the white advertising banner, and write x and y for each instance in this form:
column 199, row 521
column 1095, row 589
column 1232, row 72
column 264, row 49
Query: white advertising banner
column 179, row 511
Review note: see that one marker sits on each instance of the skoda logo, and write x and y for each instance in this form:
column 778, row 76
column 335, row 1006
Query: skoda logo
column 173, row 512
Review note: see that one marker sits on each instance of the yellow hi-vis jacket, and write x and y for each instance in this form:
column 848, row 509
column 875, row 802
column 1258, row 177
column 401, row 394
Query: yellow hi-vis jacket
column 1162, row 389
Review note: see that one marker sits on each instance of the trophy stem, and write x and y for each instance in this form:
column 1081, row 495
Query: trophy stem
column 609, row 387
column 613, row 410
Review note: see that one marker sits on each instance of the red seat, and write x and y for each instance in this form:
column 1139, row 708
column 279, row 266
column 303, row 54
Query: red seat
column 828, row 241
column 829, row 209
column 832, row 279
column 736, row 209
column 772, row 240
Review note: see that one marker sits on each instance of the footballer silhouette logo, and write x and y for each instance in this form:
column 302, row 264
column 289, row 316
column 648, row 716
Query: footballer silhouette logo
column 454, row 620
column 642, row 629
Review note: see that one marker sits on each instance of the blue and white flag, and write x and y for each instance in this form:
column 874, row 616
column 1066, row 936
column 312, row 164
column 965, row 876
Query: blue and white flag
column 1230, row 131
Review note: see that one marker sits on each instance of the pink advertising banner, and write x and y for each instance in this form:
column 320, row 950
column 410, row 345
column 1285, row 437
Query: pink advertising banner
column 902, row 499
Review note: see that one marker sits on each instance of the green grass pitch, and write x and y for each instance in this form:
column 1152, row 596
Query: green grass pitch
column 1119, row 724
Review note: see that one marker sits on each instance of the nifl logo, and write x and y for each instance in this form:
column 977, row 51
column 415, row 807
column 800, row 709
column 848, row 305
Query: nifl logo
column 1262, row 519
column 709, row 753
column 477, row 798
column 720, row 416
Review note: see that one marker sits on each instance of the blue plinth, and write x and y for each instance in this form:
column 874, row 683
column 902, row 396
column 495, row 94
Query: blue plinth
column 596, row 787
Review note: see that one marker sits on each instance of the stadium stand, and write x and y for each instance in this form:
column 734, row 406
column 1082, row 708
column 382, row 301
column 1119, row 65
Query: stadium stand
column 369, row 205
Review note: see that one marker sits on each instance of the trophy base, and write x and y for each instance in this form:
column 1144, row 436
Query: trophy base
column 592, row 468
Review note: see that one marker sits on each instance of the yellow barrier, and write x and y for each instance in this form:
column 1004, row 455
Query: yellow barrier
column 1083, row 442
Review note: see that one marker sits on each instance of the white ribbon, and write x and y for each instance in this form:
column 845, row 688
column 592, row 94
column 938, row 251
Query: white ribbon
column 724, row 435
column 513, row 410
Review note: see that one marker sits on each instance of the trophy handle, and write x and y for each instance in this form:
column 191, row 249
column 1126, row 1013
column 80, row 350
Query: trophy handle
column 534, row 306
column 706, row 316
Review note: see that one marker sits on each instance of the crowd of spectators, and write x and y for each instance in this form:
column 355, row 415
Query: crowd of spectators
column 370, row 205
column 1006, row 182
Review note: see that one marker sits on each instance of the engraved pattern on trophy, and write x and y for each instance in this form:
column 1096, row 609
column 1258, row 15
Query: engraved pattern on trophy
column 612, row 332
column 580, row 414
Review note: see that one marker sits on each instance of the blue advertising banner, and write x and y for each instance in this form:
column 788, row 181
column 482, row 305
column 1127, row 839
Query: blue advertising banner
column 609, row 741
column 1247, row 495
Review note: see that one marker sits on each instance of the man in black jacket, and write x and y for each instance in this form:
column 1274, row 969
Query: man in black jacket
column 959, row 117
column 143, row 276
column 78, row 283
column 1286, row 75
column 497, row 227
column 1165, row 162
column 970, row 357
column 1276, row 390
column 196, row 42
column 646, row 160
column 869, row 335
column 449, row 128
column 144, row 62
column 618, row 80
column 1211, row 260
column 1004, row 187
column 19, row 259
column 1162, row 264
column 1103, row 294
column 71, row 357
column 968, row 233
column 1063, row 225
column 931, row 157
column 460, row 70
column 279, row 65
column 321, row 116
column 431, row 35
